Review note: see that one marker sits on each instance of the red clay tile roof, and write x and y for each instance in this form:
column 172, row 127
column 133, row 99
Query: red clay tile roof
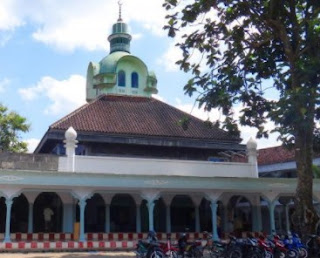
column 137, row 116
column 274, row 155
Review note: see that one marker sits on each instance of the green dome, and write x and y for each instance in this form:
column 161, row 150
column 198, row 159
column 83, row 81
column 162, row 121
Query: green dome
column 109, row 63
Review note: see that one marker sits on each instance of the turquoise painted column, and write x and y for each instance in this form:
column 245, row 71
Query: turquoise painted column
column 150, row 205
column 68, row 217
column 107, row 223
column 272, row 221
column 8, row 220
column 214, row 207
column 30, row 218
column 138, row 218
column 82, row 204
column 256, row 218
column 168, row 219
column 287, row 217
column 197, row 218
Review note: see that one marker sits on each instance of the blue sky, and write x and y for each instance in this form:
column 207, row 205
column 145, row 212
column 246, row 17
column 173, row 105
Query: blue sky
column 46, row 46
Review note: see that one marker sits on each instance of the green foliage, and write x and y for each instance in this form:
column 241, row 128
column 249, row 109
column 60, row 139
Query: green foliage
column 316, row 171
column 263, row 57
column 248, row 48
column 11, row 124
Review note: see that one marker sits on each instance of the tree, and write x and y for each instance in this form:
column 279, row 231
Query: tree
column 11, row 124
column 251, row 50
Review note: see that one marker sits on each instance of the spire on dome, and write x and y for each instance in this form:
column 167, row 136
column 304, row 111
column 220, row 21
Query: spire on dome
column 120, row 5
column 120, row 38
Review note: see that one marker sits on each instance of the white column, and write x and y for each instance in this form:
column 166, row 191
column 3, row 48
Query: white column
column 272, row 221
column 150, row 196
column 30, row 218
column 82, row 206
column 167, row 199
column 107, row 200
column 138, row 201
column 213, row 197
column 8, row 220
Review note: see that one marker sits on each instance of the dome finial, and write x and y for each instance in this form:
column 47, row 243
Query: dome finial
column 120, row 6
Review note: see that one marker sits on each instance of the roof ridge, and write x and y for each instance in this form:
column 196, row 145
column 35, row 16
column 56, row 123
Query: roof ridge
column 194, row 117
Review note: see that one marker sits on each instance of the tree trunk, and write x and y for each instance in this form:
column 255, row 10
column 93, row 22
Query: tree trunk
column 305, row 217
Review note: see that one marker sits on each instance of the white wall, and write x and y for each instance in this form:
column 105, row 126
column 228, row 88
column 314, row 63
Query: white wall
column 140, row 166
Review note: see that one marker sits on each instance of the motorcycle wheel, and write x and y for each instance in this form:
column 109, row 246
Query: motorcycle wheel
column 235, row 253
column 254, row 254
column 280, row 254
column 268, row 254
column 292, row 253
column 172, row 254
column 197, row 253
column 156, row 254
column 215, row 253
column 303, row 253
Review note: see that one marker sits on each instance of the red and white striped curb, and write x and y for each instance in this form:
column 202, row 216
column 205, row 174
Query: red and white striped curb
column 68, row 245
column 28, row 237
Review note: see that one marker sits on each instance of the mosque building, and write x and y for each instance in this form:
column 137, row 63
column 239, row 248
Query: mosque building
column 126, row 163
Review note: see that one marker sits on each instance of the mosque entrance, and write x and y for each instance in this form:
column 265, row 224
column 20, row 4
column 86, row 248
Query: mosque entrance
column 19, row 215
column 95, row 214
column 182, row 214
column 47, row 215
column 122, row 213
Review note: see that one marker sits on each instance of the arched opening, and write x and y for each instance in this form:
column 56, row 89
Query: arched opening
column 160, row 216
column 95, row 214
column 122, row 213
column 205, row 216
column 239, row 213
column 19, row 214
column 121, row 78
column 3, row 214
column 47, row 213
column 134, row 80
column 182, row 214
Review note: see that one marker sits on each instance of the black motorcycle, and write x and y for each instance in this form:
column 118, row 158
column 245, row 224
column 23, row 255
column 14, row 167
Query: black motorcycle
column 149, row 248
column 189, row 249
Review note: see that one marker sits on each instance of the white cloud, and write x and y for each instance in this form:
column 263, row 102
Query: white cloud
column 67, row 25
column 63, row 96
column 32, row 144
column 3, row 84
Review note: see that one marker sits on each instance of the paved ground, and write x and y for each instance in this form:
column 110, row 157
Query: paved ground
column 69, row 255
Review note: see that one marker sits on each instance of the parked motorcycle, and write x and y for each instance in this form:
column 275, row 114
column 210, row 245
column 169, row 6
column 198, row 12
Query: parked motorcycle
column 313, row 245
column 189, row 249
column 149, row 248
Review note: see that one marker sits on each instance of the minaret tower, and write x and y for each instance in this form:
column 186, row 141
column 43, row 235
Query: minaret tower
column 120, row 38
column 120, row 73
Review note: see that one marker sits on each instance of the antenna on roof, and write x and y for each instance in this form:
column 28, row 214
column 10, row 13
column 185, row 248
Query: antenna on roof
column 120, row 6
